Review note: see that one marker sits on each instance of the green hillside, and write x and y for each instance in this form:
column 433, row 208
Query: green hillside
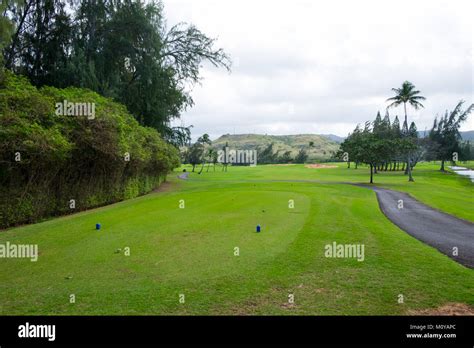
column 322, row 148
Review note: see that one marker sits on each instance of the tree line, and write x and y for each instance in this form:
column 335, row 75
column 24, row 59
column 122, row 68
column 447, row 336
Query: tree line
column 385, row 146
column 121, row 49
column 202, row 153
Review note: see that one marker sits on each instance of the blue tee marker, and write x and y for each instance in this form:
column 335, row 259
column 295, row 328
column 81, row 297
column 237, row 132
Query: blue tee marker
column 97, row 226
column 258, row 228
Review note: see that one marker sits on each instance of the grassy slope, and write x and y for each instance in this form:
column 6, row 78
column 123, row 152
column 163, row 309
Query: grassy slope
column 190, row 250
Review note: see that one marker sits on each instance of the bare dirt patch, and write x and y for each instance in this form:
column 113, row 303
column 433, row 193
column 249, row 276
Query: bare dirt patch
column 288, row 306
column 447, row 309
column 247, row 308
column 317, row 165
column 165, row 187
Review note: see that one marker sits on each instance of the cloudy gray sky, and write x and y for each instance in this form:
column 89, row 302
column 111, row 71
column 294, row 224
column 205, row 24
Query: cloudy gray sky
column 306, row 66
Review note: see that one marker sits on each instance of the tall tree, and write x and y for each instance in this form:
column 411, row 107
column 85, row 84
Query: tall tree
column 396, row 131
column 40, row 44
column 445, row 136
column 212, row 156
column 377, row 124
column 18, row 12
column 203, row 140
column 407, row 94
column 372, row 149
column 386, row 125
column 119, row 48
column 350, row 148
column 6, row 30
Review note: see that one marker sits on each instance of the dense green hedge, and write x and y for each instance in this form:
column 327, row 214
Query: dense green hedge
column 71, row 157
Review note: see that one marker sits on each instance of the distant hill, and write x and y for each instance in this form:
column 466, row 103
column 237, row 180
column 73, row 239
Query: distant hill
column 322, row 149
column 467, row 135
column 333, row 137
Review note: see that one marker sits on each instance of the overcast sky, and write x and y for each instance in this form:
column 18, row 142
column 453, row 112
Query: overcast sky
column 306, row 66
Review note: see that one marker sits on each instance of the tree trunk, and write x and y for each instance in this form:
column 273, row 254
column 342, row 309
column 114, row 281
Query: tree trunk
column 371, row 174
column 348, row 164
column 410, row 177
column 405, row 107
column 14, row 41
column 442, row 166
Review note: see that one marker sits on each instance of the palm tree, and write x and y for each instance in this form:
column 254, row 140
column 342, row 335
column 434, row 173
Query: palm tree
column 407, row 94
column 212, row 158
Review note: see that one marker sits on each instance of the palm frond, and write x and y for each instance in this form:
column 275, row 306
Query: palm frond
column 394, row 104
column 406, row 94
column 416, row 105
column 418, row 97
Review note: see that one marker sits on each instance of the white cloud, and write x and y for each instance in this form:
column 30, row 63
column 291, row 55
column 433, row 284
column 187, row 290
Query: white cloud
column 307, row 66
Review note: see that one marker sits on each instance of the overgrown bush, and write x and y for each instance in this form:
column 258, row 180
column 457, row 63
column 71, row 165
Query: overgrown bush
column 48, row 159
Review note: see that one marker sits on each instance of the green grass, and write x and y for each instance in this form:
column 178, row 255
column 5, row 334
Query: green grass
column 447, row 191
column 191, row 251
column 467, row 164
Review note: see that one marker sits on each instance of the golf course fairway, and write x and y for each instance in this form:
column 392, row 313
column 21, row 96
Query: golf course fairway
column 192, row 248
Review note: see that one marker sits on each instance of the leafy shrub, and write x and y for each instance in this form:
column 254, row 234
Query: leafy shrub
column 71, row 157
